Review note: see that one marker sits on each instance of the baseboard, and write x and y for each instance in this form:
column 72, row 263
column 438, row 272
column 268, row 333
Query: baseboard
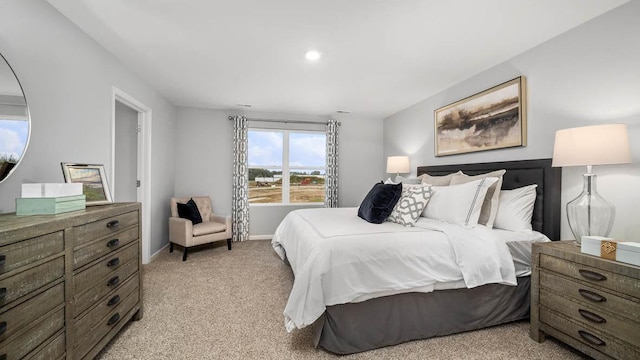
column 155, row 254
column 260, row 237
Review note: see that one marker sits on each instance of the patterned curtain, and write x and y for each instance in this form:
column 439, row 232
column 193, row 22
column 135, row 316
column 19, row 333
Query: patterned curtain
column 331, row 173
column 240, row 196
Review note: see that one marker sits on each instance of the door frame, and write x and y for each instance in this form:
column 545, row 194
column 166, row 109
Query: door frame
column 143, row 159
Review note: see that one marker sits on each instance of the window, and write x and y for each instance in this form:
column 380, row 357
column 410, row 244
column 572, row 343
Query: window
column 286, row 166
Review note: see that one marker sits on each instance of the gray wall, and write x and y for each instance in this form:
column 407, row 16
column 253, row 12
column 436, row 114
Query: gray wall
column 204, row 160
column 67, row 79
column 589, row 75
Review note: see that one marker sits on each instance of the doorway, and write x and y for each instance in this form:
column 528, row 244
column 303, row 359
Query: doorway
column 130, row 158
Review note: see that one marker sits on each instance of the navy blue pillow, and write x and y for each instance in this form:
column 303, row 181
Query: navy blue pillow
column 190, row 211
column 379, row 202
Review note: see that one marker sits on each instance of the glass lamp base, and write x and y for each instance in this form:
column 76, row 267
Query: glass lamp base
column 589, row 213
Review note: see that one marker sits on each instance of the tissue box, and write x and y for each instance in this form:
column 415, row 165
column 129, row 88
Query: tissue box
column 628, row 252
column 51, row 190
column 599, row 246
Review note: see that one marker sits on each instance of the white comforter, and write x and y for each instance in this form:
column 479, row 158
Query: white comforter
column 338, row 258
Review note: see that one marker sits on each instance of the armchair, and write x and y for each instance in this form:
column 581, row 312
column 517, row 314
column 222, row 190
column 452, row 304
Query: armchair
column 212, row 228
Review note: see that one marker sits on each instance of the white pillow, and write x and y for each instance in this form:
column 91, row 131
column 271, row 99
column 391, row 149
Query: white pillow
column 458, row 204
column 516, row 209
column 443, row 180
column 409, row 208
column 490, row 205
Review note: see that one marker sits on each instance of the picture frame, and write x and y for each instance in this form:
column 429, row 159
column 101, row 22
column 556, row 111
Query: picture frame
column 495, row 118
column 93, row 179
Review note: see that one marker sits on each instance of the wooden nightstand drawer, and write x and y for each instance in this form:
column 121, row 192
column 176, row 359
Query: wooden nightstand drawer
column 30, row 280
column 28, row 251
column 599, row 277
column 595, row 297
column 15, row 319
column 87, row 254
column 625, row 330
column 105, row 227
column 595, row 339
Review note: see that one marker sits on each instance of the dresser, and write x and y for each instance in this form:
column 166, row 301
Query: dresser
column 585, row 301
column 68, row 282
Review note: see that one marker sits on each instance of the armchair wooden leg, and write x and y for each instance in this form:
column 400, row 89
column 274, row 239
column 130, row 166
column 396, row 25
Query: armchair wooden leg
column 184, row 254
column 229, row 244
column 170, row 247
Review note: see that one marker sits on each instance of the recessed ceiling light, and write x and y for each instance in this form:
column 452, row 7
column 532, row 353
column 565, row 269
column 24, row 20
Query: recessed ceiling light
column 343, row 112
column 312, row 55
column 244, row 105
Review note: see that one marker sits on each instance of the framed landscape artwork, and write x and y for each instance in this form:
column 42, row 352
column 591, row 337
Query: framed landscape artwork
column 93, row 179
column 492, row 119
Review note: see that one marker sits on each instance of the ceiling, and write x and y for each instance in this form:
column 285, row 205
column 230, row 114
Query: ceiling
column 378, row 56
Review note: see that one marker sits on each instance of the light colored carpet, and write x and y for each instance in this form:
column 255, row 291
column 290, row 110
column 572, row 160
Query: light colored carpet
column 223, row 304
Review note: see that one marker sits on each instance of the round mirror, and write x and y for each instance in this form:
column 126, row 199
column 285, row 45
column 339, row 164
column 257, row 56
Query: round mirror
column 14, row 120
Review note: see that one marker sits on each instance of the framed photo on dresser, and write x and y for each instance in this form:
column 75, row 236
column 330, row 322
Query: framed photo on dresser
column 93, row 179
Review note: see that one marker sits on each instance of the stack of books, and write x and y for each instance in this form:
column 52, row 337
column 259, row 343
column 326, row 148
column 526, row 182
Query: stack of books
column 49, row 199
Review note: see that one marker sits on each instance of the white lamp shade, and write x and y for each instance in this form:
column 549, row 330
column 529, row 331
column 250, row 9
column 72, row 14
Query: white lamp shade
column 398, row 164
column 592, row 145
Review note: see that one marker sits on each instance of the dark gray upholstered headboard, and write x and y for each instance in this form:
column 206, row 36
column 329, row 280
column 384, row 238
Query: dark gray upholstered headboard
column 546, row 212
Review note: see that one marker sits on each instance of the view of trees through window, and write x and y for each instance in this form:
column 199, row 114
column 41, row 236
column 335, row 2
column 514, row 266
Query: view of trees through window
column 286, row 166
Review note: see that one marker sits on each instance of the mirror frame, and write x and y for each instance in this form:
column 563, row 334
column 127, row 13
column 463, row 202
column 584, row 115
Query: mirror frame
column 28, row 113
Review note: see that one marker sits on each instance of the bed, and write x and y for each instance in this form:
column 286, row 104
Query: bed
column 360, row 321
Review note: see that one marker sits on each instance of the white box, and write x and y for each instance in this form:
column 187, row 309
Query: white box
column 51, row 190
column 628, row 252
column 591, row 244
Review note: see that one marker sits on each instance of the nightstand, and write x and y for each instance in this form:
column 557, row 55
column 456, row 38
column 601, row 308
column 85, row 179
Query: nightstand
column 587, row 302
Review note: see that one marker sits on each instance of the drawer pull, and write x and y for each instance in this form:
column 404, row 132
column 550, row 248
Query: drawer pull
column 113, row 262
column 3, row 259
column 592, row 317
column 3, row 327
column 113, row 224
column 114, row 300
column 591, row 275
column 113, row 243
column 3, row 357
column 591, row 339
column 590, row 295
column 113, row 281
column 114, row 319
column 3, row 293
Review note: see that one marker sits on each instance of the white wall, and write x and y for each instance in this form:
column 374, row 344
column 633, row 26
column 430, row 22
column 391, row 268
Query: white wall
column 204, row 160
column 589, row 75
column 67, row 79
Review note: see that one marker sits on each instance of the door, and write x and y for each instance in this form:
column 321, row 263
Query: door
column 126, row 154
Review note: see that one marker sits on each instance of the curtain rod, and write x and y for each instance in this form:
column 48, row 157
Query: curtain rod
column 285, row 121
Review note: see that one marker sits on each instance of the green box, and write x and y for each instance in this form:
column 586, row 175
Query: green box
column 50, row 206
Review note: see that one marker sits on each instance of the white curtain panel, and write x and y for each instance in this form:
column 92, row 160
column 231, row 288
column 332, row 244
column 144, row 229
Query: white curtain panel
column 240, row 196
column 331, row 173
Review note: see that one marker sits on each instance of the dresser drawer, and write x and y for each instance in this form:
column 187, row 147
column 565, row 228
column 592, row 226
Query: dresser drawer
column 53, row 350
column 603, row 278
column 84, row 342
column 22, row 345
column 605, row 322
column 106, row 305
column 104, row 246
column 89, row 297
column 28, row 251
column 29, row 311
column 595, row 297
column 588, row 336
column 86, row 233
column 30, row 280
column 105, row 268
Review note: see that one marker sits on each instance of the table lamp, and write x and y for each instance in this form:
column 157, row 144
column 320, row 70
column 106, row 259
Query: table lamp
column 589, row 213
column 398, row 164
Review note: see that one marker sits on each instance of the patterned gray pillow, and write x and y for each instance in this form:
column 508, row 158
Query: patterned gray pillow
column 408, row 209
